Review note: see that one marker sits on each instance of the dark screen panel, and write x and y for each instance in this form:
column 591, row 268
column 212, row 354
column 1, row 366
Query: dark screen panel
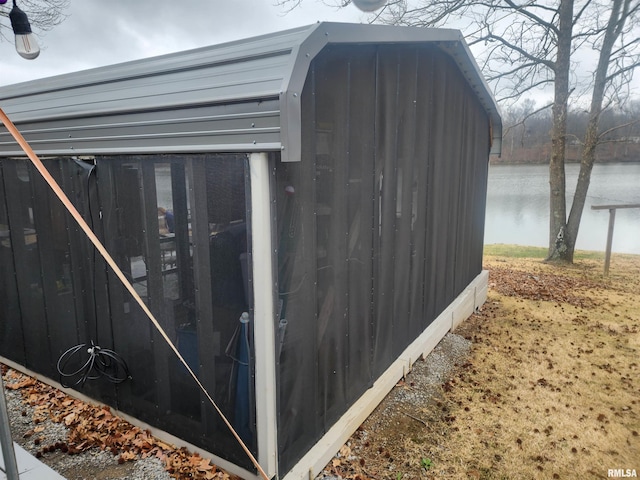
column 25, row 244
column 177, row 227
column 387, row 182
column 407, row 161
column 386, row 203
column 361, row 181
column 11, row 331
column 331, row 159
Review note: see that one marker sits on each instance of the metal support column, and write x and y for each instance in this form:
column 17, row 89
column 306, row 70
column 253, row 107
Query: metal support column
column 6, row 442
column 264, row 329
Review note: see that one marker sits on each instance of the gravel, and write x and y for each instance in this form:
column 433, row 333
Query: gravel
column 423, row 382
column 434, row 370
column 92, row 464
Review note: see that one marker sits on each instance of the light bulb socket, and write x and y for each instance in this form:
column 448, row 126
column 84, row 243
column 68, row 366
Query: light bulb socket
column 19, row 21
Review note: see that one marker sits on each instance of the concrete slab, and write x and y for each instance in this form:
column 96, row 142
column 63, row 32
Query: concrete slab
column 29, row 467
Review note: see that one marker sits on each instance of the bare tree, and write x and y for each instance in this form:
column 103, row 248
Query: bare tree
column 527, row 45
column 612, row 71
column 43, row 15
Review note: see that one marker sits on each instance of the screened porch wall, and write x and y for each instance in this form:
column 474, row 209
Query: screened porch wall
column 380, row 226
column 192, row 268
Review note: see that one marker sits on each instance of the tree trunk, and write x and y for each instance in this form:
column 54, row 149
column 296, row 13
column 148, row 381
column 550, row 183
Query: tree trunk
column 558, row 239
column 614, row 26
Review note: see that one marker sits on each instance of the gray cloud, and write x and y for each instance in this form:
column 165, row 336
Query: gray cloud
column 98, row 33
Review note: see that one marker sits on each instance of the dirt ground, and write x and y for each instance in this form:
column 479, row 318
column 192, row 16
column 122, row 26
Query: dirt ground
column 550, row 388
column 546, row 387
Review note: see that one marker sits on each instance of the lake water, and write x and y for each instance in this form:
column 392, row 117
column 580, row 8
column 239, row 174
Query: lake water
column 518, row 206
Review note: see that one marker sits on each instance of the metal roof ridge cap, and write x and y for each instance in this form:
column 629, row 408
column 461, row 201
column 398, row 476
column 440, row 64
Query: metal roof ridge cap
column 342, row 32
column 60, row 86
column 120, row 69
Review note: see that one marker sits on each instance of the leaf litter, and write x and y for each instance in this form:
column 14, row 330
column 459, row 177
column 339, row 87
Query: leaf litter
column 93, row 427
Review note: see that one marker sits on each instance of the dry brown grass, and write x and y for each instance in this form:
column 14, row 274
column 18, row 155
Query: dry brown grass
column 551, row 388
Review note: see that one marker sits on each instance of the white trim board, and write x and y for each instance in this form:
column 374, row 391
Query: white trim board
column 323, row 451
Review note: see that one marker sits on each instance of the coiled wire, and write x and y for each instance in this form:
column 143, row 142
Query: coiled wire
column 99, row 362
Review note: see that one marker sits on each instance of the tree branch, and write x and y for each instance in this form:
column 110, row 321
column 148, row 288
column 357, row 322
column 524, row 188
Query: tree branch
column 521, row 51
column 617, row 127
column 532, row 16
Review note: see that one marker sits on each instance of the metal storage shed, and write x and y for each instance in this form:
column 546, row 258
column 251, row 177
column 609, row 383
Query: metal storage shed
column 328, row 180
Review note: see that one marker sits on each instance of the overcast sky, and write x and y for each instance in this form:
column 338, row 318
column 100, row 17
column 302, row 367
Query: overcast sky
column 98, row 33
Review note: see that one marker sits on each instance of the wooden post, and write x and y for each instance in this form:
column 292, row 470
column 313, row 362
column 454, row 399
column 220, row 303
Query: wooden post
column 612, row 220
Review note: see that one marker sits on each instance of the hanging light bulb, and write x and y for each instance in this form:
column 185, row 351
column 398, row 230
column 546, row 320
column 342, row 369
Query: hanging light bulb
column 26, row 44
column 369, row 5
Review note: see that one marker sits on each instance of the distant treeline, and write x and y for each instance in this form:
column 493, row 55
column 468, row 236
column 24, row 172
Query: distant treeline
column 526, row 135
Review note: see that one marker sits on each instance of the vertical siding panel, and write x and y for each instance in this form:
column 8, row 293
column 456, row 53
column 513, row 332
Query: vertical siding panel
column 406, row 99
column 154, row 282
column 11, row 328
column 25, row 240
column 100, row 282
column 331, row 158
column 386, row 173
column 420, row 206
column 203, row 285
column 480, row 179
column 58, row 311
column 181, row 215
column 300, row 421
column 464, row 210
column 438, row 220
column 454, row 140
column 118, row 319
column 361, row 218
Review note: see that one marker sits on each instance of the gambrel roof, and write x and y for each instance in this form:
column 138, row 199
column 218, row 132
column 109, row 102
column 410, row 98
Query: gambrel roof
column 240, row 96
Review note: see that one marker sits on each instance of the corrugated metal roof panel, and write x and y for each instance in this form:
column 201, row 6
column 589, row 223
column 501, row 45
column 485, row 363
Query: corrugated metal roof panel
column 246, row 126
column 237, row 52
column 257, row 79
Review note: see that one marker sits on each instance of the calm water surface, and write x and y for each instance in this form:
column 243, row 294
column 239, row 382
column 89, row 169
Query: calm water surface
column 518, row 206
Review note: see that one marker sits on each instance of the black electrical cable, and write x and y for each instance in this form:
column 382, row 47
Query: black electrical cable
column 99, row 362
